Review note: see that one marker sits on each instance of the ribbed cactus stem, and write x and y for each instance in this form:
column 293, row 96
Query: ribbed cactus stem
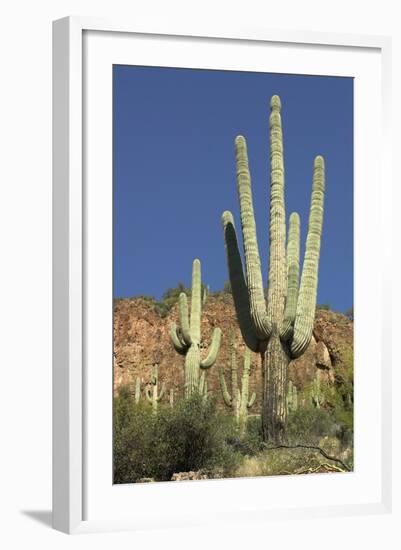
column 171, row 398
column 184, row 320
column 292, row 397
column 192, row 365
column 235, row 391
column 196, row 306
column 154, row 397
column 277, row 262
column 252, row 259
column 245, row 402
column 224, row 390
column 293, row 247
column 211, row 357
column 205, row 391
column 238, row 400
column 177, row 339
column 186, row 339
column 316, row 393
column 137, row 389
column 305, row 315
column 238, row 284
column 203, row 386
column 282, row 329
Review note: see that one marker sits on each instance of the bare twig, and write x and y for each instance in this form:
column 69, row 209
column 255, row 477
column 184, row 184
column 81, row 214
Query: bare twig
column 312, row 448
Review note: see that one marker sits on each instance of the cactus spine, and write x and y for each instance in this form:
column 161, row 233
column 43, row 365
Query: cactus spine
column 238, row 401
column 282, row 328
column 154, row 397
column 187, row 338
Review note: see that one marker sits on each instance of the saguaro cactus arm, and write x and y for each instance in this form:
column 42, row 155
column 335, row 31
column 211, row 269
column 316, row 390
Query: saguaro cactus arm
column 293, row 247
column 210, row 359
column 161, row 394
column 184, row 320
column 196, row 306
column 175, row 336
column 202, row 383
column 305, row 316
column 238, row 284
column 277, row 262
column 224, row 390
column 252, row 400
column 252, row 259
column 245, row 380
column 148, row 394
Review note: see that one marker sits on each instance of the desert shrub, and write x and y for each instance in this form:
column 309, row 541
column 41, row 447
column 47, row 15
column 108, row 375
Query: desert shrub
column 132, row 438
column 307, row 425
column 249, row 443
column 191, row 436
column 162, row 309
column 350, row 313
column 170, row 298
column 194, row 437
column 145, row 298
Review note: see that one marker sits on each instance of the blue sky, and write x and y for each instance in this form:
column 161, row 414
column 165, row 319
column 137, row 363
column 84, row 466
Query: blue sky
column 174, row 171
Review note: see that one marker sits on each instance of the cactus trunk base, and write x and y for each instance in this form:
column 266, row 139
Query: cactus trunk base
column 192, row 362
column 275, row 361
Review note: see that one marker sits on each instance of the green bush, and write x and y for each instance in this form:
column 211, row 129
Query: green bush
column 170, row 298
column 132, row 438
column 250, row 443
column 194, row 437
column 189, row 437
column 307, row 425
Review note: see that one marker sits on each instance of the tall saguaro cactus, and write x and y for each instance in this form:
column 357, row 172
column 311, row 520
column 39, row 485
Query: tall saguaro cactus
column 155, row 397
column 280, row 329
column 187, row 337
column 239, row 400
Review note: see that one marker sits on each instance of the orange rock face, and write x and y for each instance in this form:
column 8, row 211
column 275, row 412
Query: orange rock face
column 141, row 340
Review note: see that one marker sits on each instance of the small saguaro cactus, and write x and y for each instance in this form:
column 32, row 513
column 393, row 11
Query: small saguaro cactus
column 171, row 399
column 292, row 397
column 238, row 401
column 137, row 390
column 317, row 396
column 155, row 397
column 187, row 337
column 203, row 389
column 281, row 327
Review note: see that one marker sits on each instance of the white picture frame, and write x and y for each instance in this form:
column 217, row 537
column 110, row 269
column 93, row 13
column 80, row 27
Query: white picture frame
column 73, row 475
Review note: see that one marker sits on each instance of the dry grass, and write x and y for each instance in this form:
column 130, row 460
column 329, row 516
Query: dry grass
column 285, row 462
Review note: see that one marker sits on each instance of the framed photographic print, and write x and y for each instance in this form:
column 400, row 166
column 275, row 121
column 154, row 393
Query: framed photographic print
column 217, row 197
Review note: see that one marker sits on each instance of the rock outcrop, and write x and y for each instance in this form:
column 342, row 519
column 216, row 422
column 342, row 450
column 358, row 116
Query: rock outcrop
column 141, row 340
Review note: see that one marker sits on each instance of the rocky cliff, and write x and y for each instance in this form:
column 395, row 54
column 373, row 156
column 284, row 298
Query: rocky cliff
column 141, row 340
